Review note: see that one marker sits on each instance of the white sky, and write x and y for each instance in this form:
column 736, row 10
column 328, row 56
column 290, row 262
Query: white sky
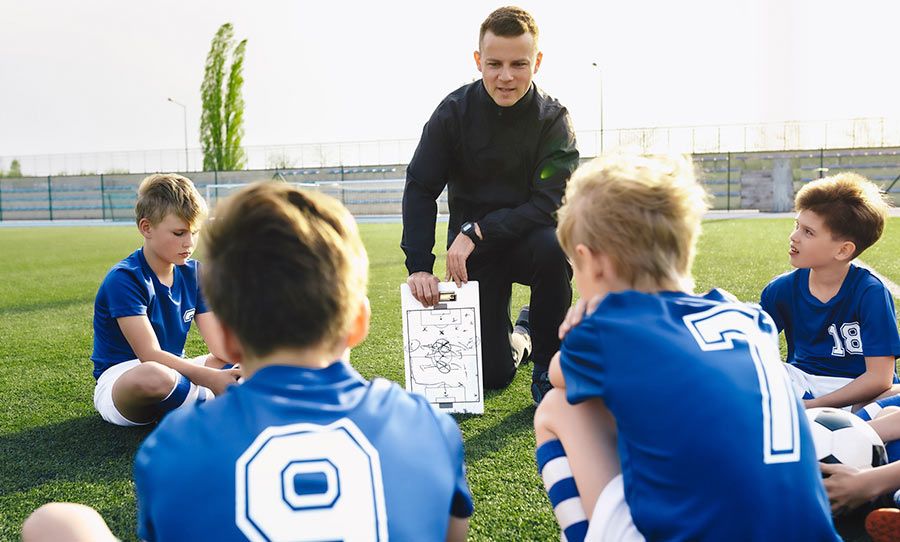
column 94, row 75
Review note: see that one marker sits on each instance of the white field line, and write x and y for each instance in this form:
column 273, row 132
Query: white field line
column 894, row 289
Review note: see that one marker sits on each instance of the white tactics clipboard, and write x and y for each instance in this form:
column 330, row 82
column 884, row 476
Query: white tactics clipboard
column 442, row 348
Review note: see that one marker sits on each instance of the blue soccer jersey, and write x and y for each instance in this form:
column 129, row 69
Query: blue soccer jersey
column 303, row 454
column 131, row 288
column 833, row 338
column 713, row 443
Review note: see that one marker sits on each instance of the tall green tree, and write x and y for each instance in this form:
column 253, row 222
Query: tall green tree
column 15, row 170
column 222, row 120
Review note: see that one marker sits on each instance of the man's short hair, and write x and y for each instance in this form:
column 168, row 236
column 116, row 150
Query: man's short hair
column 853, row 208
column 508, row 22
column 643, row 212
column 163, row 193
column 284, row 268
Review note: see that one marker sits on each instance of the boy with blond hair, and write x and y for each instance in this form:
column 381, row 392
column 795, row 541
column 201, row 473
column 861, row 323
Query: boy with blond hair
column 838, row 318
column 144, row 309
column 672, row 418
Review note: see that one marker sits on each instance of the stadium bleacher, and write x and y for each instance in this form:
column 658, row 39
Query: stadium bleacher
column 378, row 190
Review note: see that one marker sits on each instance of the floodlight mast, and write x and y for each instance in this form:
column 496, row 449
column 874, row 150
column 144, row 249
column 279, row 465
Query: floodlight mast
column 187, row 166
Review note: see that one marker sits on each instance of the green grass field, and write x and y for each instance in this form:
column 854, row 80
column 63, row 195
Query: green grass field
column 53, row 446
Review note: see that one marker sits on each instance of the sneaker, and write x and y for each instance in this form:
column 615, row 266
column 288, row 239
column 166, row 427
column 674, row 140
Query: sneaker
column 520, row 341
column 883, row 525
column 522, row 321
column 540, row 385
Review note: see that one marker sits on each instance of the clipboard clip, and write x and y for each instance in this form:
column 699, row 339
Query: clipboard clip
column 443, row 299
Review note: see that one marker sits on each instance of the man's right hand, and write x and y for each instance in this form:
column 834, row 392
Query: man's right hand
column 424, row 287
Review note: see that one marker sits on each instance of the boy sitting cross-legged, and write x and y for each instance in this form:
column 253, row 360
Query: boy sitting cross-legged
column 144, row 309
column 672, row 417
column 838, row 319
column 305, row 448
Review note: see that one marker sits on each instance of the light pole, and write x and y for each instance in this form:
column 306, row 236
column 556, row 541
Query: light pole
column 600, row 79
column 187, row 166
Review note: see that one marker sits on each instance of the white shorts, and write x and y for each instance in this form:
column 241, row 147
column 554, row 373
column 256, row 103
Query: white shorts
column 611, row 520
column 103, row 400
column 806, row 385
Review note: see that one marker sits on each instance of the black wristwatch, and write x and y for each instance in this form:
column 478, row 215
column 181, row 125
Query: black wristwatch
column 468, row 229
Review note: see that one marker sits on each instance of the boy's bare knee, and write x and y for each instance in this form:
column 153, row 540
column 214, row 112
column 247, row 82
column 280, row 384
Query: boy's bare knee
column 57, row 521
column 38, row 521
column 151, row 380
column 548, row 411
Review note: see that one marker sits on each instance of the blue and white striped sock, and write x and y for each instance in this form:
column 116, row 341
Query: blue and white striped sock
column 871, row 410
column 184, row 392
column 553, row 466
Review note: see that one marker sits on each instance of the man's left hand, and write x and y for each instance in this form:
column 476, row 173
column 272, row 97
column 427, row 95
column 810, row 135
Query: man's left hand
column 457, row 255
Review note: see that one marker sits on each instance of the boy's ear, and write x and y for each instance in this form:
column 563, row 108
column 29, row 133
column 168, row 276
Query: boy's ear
column 846, row 250
column 359, row 329
column 477, row 55
column 232, row 345
column 589, row 260
column 144, row 227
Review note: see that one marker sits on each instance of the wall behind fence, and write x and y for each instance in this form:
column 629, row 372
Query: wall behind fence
column 736, row 138
column 378, row 190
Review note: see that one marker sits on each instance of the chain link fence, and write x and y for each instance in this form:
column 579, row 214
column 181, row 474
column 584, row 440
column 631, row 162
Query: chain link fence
column 724, row 156
column 743, row 138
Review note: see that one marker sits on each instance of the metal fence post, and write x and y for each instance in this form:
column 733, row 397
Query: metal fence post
column 821, row 163
column 102, row 193
column 728, row 189
column 49, row 198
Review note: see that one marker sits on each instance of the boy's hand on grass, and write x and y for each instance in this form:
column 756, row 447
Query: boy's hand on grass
column 577, row 312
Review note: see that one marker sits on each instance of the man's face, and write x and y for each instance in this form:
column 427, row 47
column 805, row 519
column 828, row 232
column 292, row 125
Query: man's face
column 507, row 66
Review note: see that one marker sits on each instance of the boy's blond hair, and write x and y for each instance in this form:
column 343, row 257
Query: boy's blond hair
column 853, row 208
column 163, row 193
column 643, row 212
column 284, row 268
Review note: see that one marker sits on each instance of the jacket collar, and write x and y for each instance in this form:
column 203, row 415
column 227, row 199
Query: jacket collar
column 512, row 111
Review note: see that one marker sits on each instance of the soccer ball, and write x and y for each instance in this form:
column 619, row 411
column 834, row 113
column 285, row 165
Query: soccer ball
column 842, row 437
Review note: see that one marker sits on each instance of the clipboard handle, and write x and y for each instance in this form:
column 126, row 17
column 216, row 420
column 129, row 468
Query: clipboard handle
column 447, row 296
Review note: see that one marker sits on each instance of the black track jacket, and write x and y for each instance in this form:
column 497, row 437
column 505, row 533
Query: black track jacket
column 506, row 168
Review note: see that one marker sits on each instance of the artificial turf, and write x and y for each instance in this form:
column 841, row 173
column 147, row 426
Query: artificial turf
column 53, row 446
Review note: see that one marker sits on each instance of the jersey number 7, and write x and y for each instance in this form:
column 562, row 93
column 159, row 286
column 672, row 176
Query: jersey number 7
column 722, row 328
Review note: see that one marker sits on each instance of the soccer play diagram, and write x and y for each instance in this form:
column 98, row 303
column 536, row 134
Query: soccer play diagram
column 442, row 352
